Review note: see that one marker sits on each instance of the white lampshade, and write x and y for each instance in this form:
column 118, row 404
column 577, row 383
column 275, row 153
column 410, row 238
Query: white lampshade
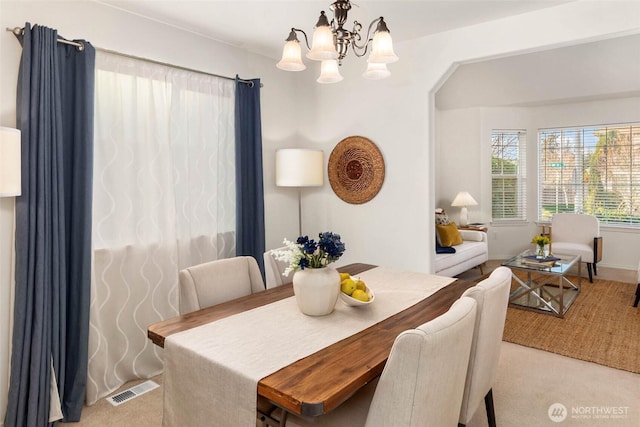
column 10, row 180
column 382, row 49
column 291, row 57
column 322, row 46
column 376, row 71
column 329, row 72
column 463, row 198
column 299, row 167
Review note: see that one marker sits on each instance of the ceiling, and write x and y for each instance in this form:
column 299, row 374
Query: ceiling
column 598, row 70
column 604, row 69
column 260, row 26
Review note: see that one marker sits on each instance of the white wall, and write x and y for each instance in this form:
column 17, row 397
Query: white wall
column 396, row 227
column 468, row 131
column 111, row 29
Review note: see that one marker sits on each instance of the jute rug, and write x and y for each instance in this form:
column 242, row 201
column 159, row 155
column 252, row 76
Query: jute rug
column 601, row 326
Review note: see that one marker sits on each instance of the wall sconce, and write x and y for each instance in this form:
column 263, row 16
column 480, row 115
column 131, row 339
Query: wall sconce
column 464, row 199
column 299, row 167
column 10, row 180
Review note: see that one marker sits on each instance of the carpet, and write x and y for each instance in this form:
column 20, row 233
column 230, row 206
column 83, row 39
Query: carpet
column 601, row 326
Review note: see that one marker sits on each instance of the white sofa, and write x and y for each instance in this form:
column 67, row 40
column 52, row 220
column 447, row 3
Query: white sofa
column 473, row 251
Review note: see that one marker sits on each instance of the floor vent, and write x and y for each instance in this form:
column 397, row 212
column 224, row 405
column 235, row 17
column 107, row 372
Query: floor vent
column 140, row 389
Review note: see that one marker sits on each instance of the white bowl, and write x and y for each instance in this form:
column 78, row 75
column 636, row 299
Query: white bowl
column 356, row 302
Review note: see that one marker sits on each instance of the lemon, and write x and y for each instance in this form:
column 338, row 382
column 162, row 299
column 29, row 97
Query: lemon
column 360, row 295
column 360, row 285
column 344, row 276
column 348, row 286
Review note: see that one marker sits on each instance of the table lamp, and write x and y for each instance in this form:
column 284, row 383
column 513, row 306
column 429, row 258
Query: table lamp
column 10, row 182
column 299, row 167
column 464, row 199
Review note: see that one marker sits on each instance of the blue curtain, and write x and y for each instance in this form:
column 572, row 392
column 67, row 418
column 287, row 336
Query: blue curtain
column 249, row 189
column 53, row 228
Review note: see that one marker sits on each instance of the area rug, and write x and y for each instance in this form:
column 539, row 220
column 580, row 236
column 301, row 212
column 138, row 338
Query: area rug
column 601, row 326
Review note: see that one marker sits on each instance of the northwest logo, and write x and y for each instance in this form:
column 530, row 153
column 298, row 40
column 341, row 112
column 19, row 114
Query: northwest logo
column 557, row 412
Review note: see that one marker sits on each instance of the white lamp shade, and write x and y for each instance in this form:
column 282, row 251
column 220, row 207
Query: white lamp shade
column 463, row 198
column 291, row 57
column 299, row 167
column 329, row 72
column 10, row 180
column 322, row 46
column 376, row 71
column 382, row 49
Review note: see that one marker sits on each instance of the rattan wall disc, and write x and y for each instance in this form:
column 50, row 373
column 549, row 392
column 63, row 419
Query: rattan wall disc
column 356, row 169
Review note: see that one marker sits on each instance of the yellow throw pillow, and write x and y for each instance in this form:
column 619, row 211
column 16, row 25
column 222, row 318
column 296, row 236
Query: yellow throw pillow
column 449, row 234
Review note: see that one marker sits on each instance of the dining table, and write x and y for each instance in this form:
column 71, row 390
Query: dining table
column 222, row 363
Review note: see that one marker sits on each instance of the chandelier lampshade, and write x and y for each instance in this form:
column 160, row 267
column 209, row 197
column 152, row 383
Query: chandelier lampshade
column 329, row 72
column 291, row 56
column 322, row 47
column 376, row 71
column 382, row 48
column 331, row 43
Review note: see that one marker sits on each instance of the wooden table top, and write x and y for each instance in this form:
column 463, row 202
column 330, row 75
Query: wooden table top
column 320, row 382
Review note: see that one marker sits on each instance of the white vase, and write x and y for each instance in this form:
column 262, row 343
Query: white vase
column 316, row 290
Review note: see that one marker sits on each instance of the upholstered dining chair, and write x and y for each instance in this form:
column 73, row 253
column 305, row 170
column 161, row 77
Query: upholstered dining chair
column 492, row 298
column 213, row 282
column 421, row 384
column 577, row 234
column 274, row 269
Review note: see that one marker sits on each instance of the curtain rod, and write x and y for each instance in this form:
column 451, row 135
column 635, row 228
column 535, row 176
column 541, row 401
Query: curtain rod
column 179, row 67
column 19, row 31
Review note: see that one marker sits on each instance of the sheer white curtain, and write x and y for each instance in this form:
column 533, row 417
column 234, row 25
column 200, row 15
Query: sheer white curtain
column 164, row 199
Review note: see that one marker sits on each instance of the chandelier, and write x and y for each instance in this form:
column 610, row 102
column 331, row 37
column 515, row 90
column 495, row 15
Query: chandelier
column 331, row 42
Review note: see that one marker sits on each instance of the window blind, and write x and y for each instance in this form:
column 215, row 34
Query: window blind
column 591, row 169
column 508, row 175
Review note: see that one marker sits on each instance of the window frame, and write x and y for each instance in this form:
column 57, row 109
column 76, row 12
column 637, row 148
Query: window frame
column 583, row 148
column 519, row 206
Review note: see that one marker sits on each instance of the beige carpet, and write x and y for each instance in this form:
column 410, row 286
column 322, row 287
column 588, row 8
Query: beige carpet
column 601, row 326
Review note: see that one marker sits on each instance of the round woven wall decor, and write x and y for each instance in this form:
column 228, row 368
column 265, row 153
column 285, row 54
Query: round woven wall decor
column 356, row 169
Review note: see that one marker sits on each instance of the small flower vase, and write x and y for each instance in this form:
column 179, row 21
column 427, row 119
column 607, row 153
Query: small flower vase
column 541, row 253
column 316, row 290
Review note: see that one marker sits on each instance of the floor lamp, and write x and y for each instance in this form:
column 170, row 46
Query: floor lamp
column 299, row 167
column 10, row 183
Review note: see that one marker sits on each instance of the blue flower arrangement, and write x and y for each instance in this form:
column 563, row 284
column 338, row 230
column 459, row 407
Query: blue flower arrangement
column 307, row 253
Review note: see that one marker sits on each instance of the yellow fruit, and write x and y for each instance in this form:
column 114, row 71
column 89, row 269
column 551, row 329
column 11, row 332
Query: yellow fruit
column 348, row 286
column 360, row 295
column 344, row 276
column 360, row 285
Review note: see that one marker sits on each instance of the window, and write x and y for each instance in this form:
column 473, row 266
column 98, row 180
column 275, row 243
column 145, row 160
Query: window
column 593, row 170
column 508, row 175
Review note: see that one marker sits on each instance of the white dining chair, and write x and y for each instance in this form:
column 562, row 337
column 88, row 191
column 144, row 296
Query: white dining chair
column 214, row 282
column 422, row 382
column 274, row 269
column 492, row 297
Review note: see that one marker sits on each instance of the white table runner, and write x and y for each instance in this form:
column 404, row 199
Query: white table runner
column 211, row 372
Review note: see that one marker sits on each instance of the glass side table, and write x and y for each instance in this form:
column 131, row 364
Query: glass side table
column 546, row 288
